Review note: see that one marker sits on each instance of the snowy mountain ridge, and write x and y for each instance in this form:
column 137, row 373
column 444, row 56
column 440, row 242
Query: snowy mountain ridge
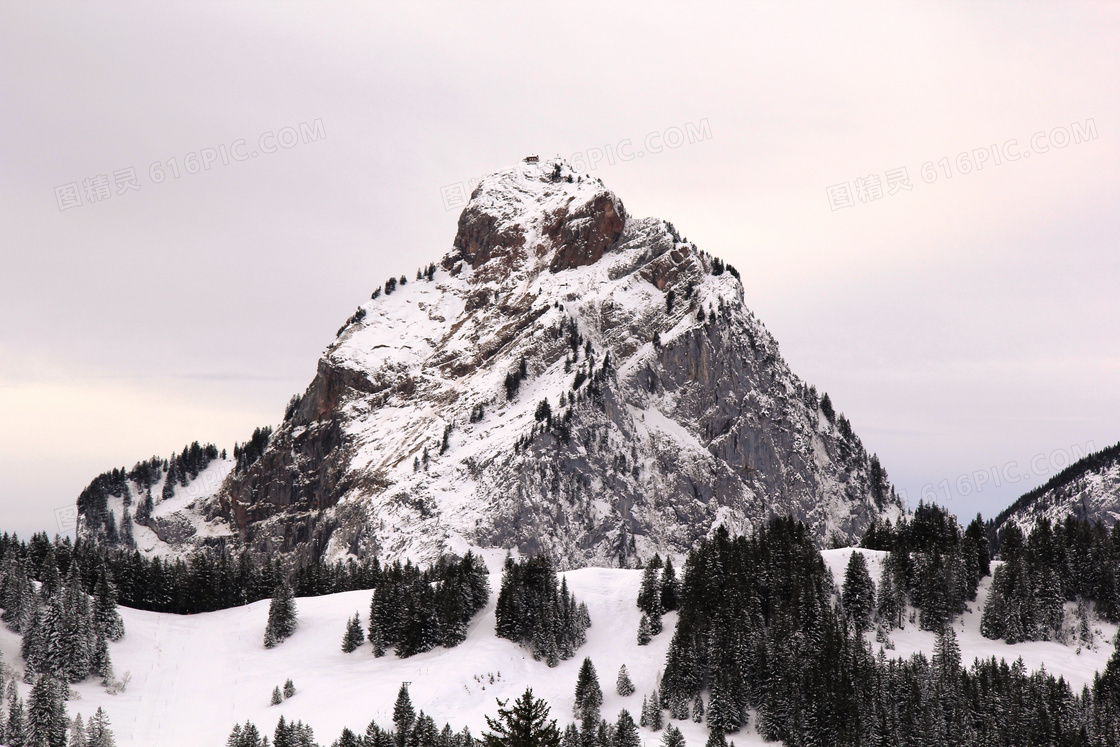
column 1088, row 489
column 568, row 379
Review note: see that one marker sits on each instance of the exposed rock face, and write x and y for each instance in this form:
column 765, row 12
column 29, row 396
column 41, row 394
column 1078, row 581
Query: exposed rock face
column 1088, row 489
column 571, row 380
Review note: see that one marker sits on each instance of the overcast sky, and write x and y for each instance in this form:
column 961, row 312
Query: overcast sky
column 967, row 325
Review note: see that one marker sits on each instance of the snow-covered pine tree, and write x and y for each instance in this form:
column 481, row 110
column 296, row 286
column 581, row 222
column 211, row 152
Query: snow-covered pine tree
column 282, row 612
column 47, row 724
column 354, row 635
column 670, row 586
column 623, row 685
column 606, row 732
column 277, row 697
column 698, row 709
column 78, row 732
column 16, row 727
column 946, row 663
column 644, row 633
column 289, row 688
column 859, row 591
column 348, row 739
column 524, row 724
column 105, row 605
column 98, row 731
column 672, row 737
column 650, row 588
column 403, row 716
column 589, row 696
column 716, row 738
column 655, row 718
column 626, row 731
column 888, row 606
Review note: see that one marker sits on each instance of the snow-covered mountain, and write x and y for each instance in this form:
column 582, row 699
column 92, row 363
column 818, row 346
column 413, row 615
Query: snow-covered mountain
column 567, row 379
column 1088, row 489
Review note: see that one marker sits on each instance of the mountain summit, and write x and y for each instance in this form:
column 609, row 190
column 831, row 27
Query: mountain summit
column 568, row 379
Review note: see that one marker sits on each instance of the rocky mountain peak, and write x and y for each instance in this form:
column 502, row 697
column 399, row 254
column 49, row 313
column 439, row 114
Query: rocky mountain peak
column 533, row 216
column 568, row 379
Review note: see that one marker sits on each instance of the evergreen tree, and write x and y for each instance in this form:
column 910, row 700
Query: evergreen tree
column 277, row 698
column 47, row 723
column 354, row 635
column 946, row 656
column 672, row 737
column 376, row 637
column 698, row 709
column 281, row 614
column 650, row 588
column 98, row 732
column 403, row 716
column 623, row 686
column 589, row 696
column 859, row 591
column 348, row 739
column 644, row 633
column 78, row 732
column 670, row 587
column 526, row 724
column 716, row 737
column 655, row 719
column 289, row 688
column 105, row 607
column 889, row 607
column 626, row 731
column 17, row 734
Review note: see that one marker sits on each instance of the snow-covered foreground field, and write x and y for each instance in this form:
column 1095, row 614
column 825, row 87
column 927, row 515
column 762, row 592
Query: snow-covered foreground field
column 193, row 677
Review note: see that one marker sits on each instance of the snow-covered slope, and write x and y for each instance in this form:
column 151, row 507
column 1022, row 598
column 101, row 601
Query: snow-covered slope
column 653, row 407
column 193, row 677
column 1088, row 489
column 160, row 506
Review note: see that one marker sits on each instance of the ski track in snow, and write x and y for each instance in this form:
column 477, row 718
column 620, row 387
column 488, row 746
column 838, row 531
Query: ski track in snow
column 194, row 676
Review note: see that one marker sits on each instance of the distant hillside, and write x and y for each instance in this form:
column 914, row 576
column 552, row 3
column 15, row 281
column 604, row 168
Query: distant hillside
column 1088, row 489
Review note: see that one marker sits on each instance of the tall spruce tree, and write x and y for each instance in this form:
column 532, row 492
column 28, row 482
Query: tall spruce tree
column 404, row 716
column 525, row 724
column 98, row 731
column 281, row 614
column 47, row 723
column 626, row 731
column 623, row 685
column 589, row 696
column 672, row 737
column 354, row 635
column 859, row 591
